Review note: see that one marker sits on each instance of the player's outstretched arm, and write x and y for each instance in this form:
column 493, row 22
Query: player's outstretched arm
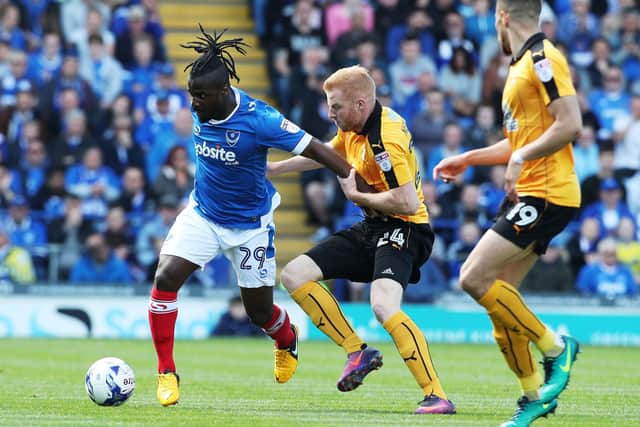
column 315, row 156
column 307, row 160
column 323, row 154
column 327, row 156
column 453, row 166
column 293, row 164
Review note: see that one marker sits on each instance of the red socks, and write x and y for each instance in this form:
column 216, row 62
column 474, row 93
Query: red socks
column 163, row 311
column 279, row 328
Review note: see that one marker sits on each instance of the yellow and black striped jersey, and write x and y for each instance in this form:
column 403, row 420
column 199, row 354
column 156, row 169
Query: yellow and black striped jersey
column 382, row 153
column 538, row 75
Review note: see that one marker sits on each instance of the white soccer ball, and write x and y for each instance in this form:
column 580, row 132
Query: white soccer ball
column 110, row 381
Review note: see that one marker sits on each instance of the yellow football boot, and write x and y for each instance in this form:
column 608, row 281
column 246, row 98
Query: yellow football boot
column 168, row 391
column 286, row 360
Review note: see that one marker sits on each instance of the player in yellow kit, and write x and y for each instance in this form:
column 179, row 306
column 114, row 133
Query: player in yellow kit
column 541, row 118
column 386, row 249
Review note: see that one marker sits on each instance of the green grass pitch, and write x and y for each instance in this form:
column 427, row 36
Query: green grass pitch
column 230, row 383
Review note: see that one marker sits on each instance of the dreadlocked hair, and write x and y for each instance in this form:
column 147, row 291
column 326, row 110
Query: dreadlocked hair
column 214, row 52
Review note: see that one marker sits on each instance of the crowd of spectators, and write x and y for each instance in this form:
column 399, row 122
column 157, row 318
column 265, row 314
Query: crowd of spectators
column 96, row 156
column 437, row 63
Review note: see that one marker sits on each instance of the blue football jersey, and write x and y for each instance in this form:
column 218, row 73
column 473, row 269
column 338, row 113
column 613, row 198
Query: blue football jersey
column 231, row 188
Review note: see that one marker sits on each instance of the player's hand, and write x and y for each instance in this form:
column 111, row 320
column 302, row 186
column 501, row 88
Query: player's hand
column 348, row 184
column 363, row 186
column 448, row 169
column 511, row 178
column 353, row 185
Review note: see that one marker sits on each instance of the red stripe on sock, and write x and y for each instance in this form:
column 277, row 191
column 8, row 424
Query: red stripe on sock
column 163, row 295
column 283, row 336
column 162, row 330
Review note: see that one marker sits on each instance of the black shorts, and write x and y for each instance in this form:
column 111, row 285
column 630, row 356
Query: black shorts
column 375, row 248
column 532, row 220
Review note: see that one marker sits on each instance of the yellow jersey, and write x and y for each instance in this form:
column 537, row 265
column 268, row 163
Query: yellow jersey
column 382, row 153
column 539, row 74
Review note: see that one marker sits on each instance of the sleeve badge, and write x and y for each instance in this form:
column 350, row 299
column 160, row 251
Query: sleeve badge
column 544, row 70
column 287, row 126
column 384, row 161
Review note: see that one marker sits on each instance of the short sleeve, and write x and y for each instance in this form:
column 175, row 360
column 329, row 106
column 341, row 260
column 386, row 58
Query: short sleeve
column 275, row 131
column 552, row 75
column 399, row 156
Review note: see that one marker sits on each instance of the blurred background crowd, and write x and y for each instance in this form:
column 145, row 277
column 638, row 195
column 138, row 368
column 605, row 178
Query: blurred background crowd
column 96, row 157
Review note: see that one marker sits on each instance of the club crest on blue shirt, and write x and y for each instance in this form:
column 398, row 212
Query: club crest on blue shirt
column 232, row 137
column 384, row 161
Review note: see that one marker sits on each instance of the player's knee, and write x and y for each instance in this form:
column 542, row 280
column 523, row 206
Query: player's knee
column 293, row 275
column 473, row 280
column 379, row 310
column 468, row 277
column 383, row 310
column 288, row 277
column 165, row 279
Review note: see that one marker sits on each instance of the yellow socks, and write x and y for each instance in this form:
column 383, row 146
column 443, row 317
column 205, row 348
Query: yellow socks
column 504, row 302
column 530, row 385
column 517, row 353
column 515, row 349
column 326, row 314
column 413, row 348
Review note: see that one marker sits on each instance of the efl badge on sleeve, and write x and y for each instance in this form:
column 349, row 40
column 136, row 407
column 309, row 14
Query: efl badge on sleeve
column 384, row 161
column 286, row 125
column 543, row 70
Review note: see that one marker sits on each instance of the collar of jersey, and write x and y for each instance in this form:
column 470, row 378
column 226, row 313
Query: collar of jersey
column 531, row 41
column 375, row 115
column 217, row 122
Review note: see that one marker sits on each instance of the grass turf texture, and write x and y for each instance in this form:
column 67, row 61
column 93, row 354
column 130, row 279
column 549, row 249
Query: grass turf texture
column 230, row 383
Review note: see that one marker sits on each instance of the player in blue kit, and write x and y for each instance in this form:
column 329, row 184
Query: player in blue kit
column 230, row 210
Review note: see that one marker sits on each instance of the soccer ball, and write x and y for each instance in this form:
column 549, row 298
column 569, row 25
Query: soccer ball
column 110, row 381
